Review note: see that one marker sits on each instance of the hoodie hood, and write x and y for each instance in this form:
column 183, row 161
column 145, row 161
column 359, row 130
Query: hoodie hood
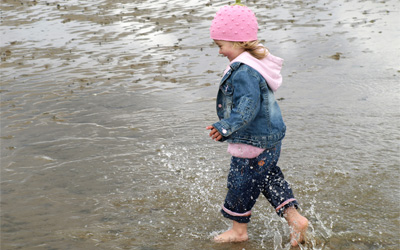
column 269, row 67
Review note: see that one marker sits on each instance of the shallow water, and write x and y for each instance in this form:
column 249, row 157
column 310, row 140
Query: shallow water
column 103, row 115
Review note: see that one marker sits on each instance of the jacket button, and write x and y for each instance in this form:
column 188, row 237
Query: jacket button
column 224, row 131
column 219, row 105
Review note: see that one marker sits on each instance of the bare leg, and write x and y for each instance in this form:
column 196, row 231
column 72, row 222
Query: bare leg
column 298, row 225
column 237, row 233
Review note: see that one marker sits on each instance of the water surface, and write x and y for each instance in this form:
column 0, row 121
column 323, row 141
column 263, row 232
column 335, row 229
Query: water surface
column 104, row 107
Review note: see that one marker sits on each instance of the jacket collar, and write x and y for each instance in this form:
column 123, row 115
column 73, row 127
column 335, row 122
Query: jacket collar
column 269, row 67
column 234, row 66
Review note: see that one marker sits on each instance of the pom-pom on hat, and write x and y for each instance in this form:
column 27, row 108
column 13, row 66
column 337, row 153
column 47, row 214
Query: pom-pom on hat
column 235, row 23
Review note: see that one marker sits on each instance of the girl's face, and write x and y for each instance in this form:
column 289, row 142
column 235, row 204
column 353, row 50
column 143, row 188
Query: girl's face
column 227, row 49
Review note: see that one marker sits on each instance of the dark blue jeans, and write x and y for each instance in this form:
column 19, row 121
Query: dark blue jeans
column 250, row 177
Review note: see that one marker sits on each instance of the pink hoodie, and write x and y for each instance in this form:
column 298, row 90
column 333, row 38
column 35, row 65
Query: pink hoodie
column 270, row 68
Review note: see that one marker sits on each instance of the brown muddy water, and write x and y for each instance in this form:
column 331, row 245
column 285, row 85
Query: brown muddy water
column 104, row 106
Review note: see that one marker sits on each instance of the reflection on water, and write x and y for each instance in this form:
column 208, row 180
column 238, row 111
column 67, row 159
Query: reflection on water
column 103, row 115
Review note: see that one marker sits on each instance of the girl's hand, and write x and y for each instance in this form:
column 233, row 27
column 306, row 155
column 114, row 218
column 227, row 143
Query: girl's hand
column 214, row 134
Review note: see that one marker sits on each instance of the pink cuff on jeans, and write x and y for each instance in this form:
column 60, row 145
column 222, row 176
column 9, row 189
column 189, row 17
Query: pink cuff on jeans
column 248, row 213
column 284, row 203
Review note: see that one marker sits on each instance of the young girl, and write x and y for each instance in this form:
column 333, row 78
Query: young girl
column 251, row 122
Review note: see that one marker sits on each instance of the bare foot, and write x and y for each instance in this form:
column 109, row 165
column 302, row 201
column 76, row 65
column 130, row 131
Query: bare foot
column 238, row 233
column 298, row 225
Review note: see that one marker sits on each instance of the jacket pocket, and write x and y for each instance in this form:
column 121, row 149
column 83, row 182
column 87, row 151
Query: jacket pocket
column 225, row 105
column 227, row 88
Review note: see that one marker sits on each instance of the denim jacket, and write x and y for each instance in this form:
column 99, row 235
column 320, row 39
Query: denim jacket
column 247, row 109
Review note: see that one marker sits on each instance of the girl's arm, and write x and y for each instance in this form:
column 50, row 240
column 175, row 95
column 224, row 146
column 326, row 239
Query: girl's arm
column 246, row 103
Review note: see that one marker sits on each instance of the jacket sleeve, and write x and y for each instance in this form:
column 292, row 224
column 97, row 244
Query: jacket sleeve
column 245, row 103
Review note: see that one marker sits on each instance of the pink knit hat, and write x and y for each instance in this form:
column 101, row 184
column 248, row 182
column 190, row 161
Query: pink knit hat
column 235, row 23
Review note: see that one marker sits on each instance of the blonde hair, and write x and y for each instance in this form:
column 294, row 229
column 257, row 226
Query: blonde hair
column 253, row 47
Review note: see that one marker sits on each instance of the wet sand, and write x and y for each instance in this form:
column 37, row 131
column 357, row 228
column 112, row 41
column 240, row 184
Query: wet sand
column 103, row 115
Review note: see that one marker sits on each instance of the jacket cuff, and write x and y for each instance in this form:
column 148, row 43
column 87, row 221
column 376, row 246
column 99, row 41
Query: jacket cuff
column 223, row 128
